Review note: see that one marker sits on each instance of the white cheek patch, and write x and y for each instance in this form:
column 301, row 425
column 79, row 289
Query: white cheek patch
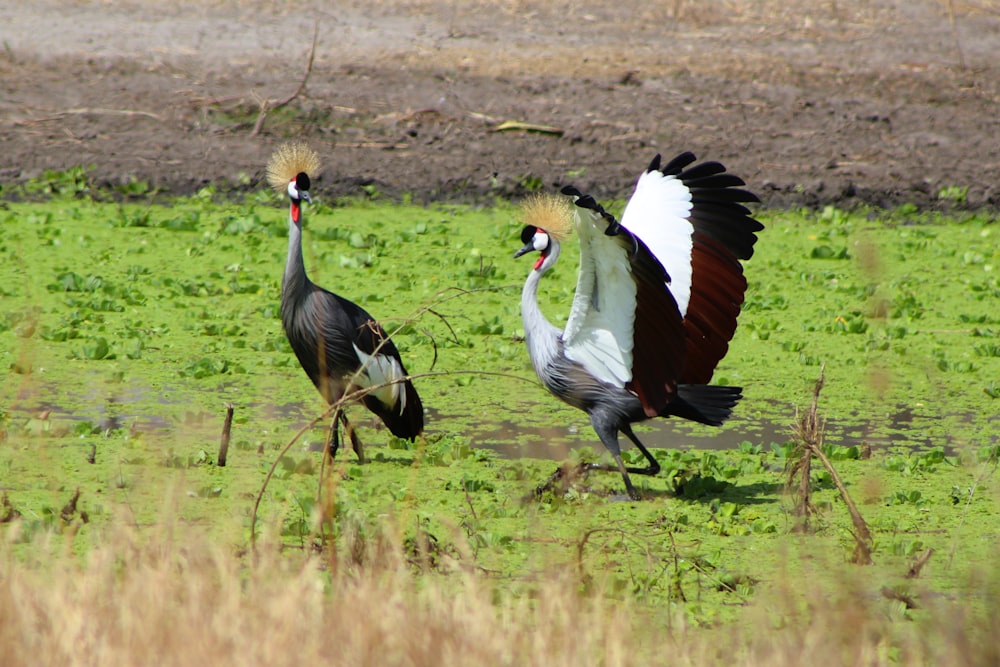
column 540, row 241
column 380, row 369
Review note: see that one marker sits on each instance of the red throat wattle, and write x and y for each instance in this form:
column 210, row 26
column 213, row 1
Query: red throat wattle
column 296, row 212
column 539, row 261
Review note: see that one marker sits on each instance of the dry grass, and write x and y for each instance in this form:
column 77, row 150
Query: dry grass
column 175, row 598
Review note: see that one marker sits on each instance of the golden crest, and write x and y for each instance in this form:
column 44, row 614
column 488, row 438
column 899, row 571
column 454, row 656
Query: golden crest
column 289, row 161
column 553, row 213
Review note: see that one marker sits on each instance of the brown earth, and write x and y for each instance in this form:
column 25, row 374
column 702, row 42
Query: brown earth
column 840, row 101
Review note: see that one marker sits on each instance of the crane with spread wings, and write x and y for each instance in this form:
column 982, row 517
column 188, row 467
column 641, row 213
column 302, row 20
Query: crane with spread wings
column 656, row 302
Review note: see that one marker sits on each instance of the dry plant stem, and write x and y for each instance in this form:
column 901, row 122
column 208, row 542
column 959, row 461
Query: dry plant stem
column 468, row 500
column 862, row 536
column 69, row 509
column 224, row 442
column 87, row 111
column 581, row 545
column 914, row 571
column 809, row 431
column 267, row 105
column 908, row 600
column 985, row 471
column 954, row 34
column 565, row 475
column 802, row 468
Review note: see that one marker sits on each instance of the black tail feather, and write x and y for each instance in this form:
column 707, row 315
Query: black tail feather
column 408, row 424
column 703, row 403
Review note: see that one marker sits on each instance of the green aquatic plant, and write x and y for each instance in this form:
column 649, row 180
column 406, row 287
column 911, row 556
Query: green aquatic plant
column 126, row 341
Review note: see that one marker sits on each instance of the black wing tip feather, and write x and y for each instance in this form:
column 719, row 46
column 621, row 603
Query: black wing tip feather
column 676, row 165
column 710, row 175
column 720, row 196
column 588, row 202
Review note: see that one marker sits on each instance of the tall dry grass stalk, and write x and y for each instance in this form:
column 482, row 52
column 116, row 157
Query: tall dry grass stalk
column 177, row 598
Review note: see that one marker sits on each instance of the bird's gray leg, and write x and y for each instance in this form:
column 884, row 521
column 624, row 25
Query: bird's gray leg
column 632, row 493
column 355, row 440
column 608, row 433
column 333, row 437
column 654, row 466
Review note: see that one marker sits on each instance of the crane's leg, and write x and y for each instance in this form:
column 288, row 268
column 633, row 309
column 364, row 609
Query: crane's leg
column 333, row 437
column 654, row 466
column 355, row 440
column 608, row 433
column 632, row 493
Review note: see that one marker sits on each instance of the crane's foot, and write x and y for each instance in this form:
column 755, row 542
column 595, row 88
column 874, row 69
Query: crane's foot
column 358, row 448
column 650, row 471
column 333, row 439
column 355, row 440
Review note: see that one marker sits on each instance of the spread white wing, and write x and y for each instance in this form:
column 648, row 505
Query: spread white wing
column 598, row 333
column 658, row 213
column 665, row 287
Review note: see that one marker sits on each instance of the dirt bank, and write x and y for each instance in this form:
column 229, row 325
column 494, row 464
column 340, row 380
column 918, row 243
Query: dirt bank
column 876, row 102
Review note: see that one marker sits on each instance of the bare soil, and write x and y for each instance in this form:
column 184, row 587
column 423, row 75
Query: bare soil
column 813, row 103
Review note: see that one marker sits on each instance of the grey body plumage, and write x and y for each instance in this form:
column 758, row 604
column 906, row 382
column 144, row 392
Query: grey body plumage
column 340, row 346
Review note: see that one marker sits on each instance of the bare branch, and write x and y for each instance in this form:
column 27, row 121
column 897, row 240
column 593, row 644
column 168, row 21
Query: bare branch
column 808, row 431
column 88, row 111
column 916, row 566
column 267, row 105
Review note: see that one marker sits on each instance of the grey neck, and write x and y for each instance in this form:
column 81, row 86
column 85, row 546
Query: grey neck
column 294, row 281
column 540, row 335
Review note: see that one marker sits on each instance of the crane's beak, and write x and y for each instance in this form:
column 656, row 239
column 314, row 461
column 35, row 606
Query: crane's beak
column 528, row 247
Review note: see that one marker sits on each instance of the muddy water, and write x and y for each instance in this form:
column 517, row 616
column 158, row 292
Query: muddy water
column 130, row 409
column 161, row 417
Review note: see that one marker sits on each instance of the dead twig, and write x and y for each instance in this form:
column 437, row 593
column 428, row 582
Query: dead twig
column 88, row 111
column 908, row 600
column 808, row 430
column 7, row 510
column 565, row 476
column 267, row 105
column 916, row 566
column 224, row 442
column 581, row 546
column 954, row 34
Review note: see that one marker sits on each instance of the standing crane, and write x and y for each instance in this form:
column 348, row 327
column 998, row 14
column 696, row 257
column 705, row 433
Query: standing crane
column 656, row 300
column 339, row 345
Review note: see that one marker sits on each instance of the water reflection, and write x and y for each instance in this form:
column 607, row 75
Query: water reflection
column 163, row 414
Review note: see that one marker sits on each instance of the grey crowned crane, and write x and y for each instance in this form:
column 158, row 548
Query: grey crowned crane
column 340, row 346
column 656, row 300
